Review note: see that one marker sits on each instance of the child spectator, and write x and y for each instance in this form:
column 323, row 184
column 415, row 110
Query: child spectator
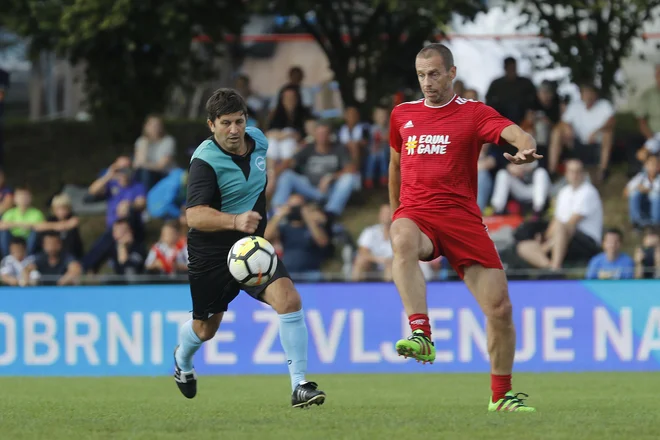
column 64, row 221
column 19, row 222
column 643, row 192
column 12, row 267
column 170, row 255
column 127, row 255
column 611, row 264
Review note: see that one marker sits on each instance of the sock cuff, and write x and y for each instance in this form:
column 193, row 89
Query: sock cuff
column 191, row 333
column 293, row 316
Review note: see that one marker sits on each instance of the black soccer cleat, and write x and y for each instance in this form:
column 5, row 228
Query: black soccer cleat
column 187, row 382
column 307, row 394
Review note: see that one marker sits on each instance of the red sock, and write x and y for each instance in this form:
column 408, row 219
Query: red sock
column 500, row 385
column 420, row 321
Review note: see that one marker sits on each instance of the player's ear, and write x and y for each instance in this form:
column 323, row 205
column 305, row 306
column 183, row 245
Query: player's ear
column 210, row 124
column 452, row 73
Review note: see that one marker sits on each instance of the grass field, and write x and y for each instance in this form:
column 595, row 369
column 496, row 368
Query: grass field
column 443, row 406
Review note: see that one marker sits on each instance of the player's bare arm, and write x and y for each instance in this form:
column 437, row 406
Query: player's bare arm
column 394, row 178
column 206, row 219
column 523, row 141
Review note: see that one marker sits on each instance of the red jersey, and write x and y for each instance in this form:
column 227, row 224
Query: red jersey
column 440, row 148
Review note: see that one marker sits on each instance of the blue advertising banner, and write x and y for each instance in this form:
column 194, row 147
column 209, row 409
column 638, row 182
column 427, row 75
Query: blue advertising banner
column 132, row 330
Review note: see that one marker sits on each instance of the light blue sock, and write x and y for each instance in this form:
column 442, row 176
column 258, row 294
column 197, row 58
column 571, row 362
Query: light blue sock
column 293, row 336
column 189, row 343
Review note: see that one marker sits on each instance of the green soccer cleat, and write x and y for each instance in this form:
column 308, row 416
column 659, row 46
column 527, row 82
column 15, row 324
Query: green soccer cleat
column 510, row 403
column 418, row 346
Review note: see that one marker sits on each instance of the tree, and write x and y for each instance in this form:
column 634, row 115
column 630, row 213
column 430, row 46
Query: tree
column 373, row 40
column 590, row 37
column 135, row 52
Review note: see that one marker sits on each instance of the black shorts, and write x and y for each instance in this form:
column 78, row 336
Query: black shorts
column 581, row 248
column 214, row 289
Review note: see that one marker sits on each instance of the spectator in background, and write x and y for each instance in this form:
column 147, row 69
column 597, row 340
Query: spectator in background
column 167, row 197
column 643, row 192
column 19, row 222
column 126, row 199
column 296, row 79
column 255, row 104
column 647, row 110
column 154, row 152
column 170, row 254
column 486, row 165
column 54, row 266
column 525, row 183
column 547, row 116
column 587, row 128
column 611, row 264
column 375, row 248
column 378, row 158
column 574, row 233
column 459, row 87
column 310, row 128
column 6, row 194
column 127, row 254
column 65, row 222
column 353, row 134
column 4, row 85
column 12, row 267
column 647, row 256
column 301, row 228
column 512, row 96
column 324, row 172
column 471, row 94
column 285, row 130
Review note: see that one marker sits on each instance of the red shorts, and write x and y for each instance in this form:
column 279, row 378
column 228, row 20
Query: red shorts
column 457, row 235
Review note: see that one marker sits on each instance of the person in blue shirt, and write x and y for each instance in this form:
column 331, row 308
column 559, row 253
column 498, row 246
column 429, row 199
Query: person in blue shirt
column 611, row 264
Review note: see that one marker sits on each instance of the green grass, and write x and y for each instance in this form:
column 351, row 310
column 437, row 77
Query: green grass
column 443, row 406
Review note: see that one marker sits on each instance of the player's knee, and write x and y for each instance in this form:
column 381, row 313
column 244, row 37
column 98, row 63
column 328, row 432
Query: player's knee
column 283, row 297
column 404, row 242
column 206, row 330
column 500, row 312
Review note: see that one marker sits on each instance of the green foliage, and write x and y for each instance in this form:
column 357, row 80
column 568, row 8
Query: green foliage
column 135, row 51
column 590, row 37
column 382, row 37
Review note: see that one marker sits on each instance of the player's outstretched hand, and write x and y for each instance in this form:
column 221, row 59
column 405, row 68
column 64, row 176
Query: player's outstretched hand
column 247, row 222
column 523, row 156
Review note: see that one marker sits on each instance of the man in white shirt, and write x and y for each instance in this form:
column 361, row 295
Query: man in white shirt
column 375, row 248
column 587, row 128
column 575, row 232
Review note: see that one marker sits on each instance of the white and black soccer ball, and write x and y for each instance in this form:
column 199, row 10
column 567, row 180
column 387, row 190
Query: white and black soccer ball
column 252, row 261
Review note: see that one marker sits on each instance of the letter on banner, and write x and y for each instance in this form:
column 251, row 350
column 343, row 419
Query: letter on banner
column 651, row 337
column 621, row 336
column 156, row 321
column 552, row 333
column 326, row 344
column 34, row 338
column 212, row 355
column 262, row 352
column 117, row 334
column 470, row 330
column 441, row 334
column 528, row 332
column 358, row 353
column 86, row 341
column 9, row 323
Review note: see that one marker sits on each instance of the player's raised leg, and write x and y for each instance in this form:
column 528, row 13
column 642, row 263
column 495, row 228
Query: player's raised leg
column 490, row 289
column 409, row 245
column 282, row 296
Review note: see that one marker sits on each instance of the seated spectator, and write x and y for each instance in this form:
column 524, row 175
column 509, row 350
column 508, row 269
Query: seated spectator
column 647, row 256
column 6, row 194
column 12, row 267
column 63, row 220
column 167, row 197
column 127, row 254
column 643, row 192
column 126, row 199
column 547, row 115
column 459, row 87
column 19, row 222
column 375, row 249
column 154, row 152
column 647, row 111
column 378, row 158
column 296, row 78
column 587, row 128
column 301, row 228
column 471, row 94
column 354, row 134
column 255, row 104
column 574, row 233
column 486, row 165
column 54, row 266
column 285, row 130
column 310, row 129
column 611, row 264
column 170, row 255
column 322, row 172
column 524, row 183
column 512, row 95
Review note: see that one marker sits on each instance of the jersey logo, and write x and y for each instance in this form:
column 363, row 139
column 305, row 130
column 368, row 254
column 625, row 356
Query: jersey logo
column 260, row 162
column 428, row 144
column 409, row 124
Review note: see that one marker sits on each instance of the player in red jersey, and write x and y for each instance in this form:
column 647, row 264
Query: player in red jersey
column 433, row 194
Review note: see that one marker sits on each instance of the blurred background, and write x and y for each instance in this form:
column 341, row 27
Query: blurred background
column 102, row 103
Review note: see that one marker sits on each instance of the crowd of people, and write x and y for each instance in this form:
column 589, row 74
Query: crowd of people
column 314, row 168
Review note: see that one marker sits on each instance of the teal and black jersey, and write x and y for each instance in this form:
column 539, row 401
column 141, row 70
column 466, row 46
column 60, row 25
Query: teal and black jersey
column 228, row 183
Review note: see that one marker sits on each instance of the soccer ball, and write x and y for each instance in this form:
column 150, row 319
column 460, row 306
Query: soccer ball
column 252, row 261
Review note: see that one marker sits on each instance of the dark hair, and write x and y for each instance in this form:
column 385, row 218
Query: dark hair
column 51, row 234
column 280, row 117
column 121, row 221
column 174, row 224
column 324, row 123
column 509, row 61
column 651, row 230
column 296, row 70
column 440, row 49
column 588, row 85
column 616, row 231
column 225, row 102
column 18, row 240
